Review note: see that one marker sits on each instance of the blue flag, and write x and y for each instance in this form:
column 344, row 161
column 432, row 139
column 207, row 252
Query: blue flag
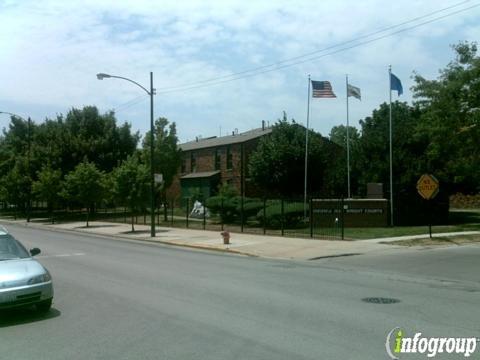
column 396, row 84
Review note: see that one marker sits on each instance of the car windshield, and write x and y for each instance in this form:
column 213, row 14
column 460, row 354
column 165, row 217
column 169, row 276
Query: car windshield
column 11, row 248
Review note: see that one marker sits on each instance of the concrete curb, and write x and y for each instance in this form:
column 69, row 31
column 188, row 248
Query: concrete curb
column 126, row 238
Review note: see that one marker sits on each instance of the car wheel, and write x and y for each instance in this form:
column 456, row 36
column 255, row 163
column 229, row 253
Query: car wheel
column 44, row 306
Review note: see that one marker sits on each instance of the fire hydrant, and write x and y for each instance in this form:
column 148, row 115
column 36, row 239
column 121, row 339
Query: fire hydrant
column 226, row 237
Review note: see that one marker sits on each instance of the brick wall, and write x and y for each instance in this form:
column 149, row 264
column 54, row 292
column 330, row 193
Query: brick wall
column 205, row 161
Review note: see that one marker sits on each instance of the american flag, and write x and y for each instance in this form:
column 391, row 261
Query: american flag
column 322, row 89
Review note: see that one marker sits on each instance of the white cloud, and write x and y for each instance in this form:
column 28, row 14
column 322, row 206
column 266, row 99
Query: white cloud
column 50, row 52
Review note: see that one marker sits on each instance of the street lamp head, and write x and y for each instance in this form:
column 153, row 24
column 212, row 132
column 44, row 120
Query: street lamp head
column 101, row 76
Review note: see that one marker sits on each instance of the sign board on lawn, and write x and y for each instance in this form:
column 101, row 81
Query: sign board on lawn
column 427, row 186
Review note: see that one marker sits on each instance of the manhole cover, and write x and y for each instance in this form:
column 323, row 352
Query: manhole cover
column 380, row 300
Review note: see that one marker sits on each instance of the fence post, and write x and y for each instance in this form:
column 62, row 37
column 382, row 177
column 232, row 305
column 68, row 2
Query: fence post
column 264, row 215
column 342, row 212
column 171, row 212
column 310, row 217
column 165, row 212
column 204, row 216
column 283, row 218
column 188, row 209
column 221, row 213
column 241, row 214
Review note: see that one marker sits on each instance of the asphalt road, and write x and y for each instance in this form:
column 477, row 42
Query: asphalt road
column 124, row 300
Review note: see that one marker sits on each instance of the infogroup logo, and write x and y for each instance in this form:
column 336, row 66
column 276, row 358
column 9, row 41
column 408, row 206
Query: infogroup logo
column 397, row 343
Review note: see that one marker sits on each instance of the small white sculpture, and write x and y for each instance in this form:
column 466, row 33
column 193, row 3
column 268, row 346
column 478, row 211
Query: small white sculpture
column 198, row 210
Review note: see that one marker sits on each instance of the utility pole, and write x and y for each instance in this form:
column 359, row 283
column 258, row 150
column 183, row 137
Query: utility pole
column 28, row 167
column 101, row 76
column 152, row 157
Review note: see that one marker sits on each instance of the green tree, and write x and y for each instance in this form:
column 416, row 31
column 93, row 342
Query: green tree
column 15, row 159
column 373, row 163
column 338, row 135
column 48, row 187
column 83, row 133
column 166, row 152
column 16, row 184
column 450, row 122
column 62, row 143
column 85, row 185
column 277, row 166
column 409, row 161
column 132, row 185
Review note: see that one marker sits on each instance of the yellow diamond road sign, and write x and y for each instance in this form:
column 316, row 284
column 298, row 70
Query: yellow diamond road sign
column 427, row 186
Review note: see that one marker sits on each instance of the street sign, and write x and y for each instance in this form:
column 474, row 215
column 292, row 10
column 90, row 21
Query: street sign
column 427, row 186
column 158, row 178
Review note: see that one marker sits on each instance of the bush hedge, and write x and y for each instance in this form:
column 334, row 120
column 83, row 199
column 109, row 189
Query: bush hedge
column 292, row 215
column 231, row 209
column 462, row 201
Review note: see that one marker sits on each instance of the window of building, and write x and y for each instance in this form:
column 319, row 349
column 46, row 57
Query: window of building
column 184, row 165
column 229, row 158
column 193, row 162
column 217, row 159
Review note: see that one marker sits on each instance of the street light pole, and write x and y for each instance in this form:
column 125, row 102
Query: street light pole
column 29, row 136
column 102, row 76
column 152, row 175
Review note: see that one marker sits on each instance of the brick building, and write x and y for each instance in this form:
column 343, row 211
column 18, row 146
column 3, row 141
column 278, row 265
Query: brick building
column 210, row 162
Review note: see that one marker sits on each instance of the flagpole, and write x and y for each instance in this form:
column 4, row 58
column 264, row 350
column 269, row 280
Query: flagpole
column 348, row 142
column 306, row 154
column 390, row 133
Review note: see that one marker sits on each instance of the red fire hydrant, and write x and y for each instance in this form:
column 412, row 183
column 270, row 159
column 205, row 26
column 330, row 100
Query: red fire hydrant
column 226, row 237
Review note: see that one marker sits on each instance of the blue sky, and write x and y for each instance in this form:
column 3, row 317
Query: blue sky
column 50, row 52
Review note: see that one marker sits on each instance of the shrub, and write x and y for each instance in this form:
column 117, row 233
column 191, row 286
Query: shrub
column 232, row 207
column 226, row 210
column 250, row 207
column 461, row 201
column 293, row 215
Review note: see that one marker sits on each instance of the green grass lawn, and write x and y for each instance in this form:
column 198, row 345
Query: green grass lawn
column 369, row 233
column 442, row 241
column 459, row 219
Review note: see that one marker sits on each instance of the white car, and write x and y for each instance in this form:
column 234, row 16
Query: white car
column 23, row 280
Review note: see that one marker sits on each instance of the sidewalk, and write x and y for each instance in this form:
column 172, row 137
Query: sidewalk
column 247, row 244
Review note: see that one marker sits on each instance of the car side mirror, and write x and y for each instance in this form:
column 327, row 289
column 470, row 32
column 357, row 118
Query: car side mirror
column 35, row 251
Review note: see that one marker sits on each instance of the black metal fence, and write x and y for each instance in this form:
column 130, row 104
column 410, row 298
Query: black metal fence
column 280, row 217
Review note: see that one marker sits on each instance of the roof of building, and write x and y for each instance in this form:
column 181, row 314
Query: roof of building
column 203, row 174
column 225, row 140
